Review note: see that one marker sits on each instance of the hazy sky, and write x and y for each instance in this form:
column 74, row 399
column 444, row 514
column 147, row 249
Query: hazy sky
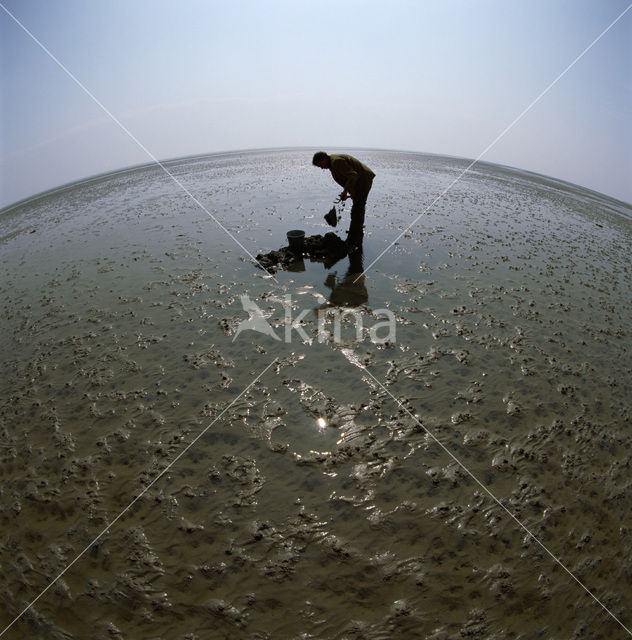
column 438, row 76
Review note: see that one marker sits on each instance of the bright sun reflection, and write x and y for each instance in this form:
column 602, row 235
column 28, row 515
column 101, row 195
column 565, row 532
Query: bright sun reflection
column 321, row 422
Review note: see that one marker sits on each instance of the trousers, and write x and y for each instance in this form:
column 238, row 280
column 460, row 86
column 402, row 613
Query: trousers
column 358, row 209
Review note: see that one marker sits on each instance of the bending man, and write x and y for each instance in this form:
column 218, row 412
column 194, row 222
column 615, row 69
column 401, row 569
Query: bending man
column 356, row 180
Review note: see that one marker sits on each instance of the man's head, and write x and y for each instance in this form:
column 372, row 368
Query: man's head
column 321, row 159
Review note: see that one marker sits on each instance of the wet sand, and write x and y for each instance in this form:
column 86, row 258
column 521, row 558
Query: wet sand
column 121, row 306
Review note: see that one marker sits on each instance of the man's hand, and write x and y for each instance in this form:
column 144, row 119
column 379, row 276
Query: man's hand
column 343, row 196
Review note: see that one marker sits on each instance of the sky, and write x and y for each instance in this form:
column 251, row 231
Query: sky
column 158, row 79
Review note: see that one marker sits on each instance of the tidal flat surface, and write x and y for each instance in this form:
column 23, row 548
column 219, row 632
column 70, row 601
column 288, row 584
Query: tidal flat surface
column 169, row 473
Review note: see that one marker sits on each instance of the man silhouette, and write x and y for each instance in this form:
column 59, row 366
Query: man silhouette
column 356, row 180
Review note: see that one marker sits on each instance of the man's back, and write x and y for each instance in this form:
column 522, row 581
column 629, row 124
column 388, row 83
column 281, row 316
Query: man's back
column 347, row 171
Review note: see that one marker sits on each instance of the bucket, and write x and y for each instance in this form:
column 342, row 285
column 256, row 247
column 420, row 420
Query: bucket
column 296, row 239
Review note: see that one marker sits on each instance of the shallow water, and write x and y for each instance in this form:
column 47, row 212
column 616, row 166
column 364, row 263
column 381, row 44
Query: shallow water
column 507, row 382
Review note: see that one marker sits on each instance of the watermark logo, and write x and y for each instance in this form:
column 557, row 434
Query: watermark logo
column 256, row 319
column 326, row 323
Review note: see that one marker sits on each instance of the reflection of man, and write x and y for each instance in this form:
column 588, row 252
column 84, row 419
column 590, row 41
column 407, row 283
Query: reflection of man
column 356, row 180
column 351, row 290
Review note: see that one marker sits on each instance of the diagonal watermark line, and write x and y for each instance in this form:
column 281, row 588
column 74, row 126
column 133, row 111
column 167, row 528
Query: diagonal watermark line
column 497, row 501
column 503, row 133
column 128, row 132
column 140, row 495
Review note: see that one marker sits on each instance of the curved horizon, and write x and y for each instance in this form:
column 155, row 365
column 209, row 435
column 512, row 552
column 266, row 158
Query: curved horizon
column 165, row 161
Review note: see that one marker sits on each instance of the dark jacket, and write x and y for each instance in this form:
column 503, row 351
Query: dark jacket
column 350, row 173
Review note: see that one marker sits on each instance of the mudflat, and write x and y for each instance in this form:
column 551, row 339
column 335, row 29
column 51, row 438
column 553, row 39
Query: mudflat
column 165, row 474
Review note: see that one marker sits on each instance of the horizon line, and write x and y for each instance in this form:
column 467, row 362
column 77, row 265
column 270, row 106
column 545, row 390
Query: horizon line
column 153, row 163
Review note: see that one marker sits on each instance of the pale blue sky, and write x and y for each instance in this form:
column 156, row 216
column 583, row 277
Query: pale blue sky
column 194, row 77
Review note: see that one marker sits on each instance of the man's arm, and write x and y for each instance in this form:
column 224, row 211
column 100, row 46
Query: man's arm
column 346, row 174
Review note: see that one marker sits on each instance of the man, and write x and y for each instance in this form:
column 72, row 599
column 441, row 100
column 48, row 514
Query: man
column 356, row 179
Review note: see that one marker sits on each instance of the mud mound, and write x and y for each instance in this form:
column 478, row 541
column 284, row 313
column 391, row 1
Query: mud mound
column 328, row 249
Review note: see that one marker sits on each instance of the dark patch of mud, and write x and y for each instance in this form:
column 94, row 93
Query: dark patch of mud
column 327, row 249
